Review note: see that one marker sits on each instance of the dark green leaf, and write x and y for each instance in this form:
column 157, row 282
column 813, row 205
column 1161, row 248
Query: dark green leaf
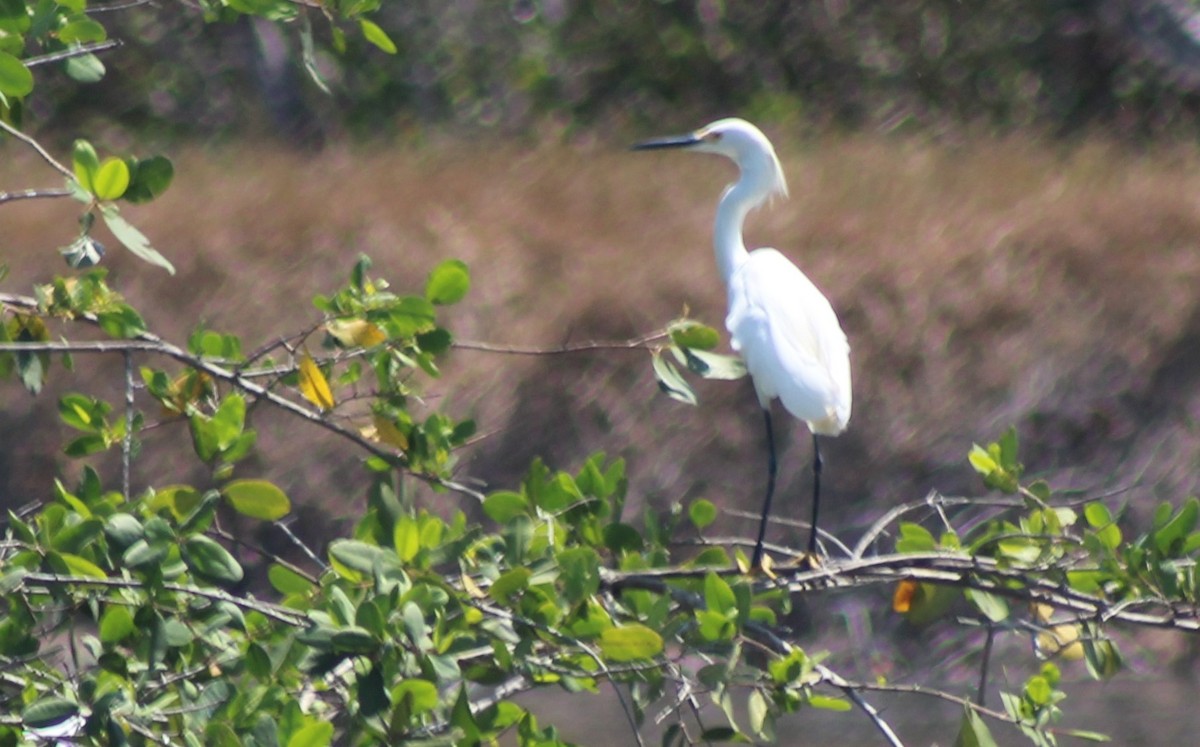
column 209, row 559
column 48, row 712
column 694, row 335
column 509, row 583
column 580, row 572
column 974, row 731
column 151, row 177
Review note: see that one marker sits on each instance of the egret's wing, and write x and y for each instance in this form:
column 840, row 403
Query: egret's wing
column 791, row 340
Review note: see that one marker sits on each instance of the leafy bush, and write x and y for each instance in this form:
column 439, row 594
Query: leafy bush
column 138, row 617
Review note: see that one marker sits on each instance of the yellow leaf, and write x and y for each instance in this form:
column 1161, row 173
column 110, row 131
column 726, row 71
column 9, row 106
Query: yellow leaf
column 387, row 432
column 355, row 332
column 471, row 587
column 902, row 600
column 313, row 385
column 1061, row 641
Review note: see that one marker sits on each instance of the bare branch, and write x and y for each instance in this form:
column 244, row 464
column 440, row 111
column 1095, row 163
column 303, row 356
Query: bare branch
column 37, row 147
column 34, row 194
column 852, row 692
column 79, row 51
column 273, row 611
column 637, row 343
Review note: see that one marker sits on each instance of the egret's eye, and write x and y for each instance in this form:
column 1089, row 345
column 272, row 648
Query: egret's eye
column 712, row 137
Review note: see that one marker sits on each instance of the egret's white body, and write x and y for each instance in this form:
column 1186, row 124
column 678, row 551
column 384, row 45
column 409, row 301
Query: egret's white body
column 784, row 327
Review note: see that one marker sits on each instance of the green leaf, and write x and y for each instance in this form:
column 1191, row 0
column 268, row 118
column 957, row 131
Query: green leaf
column 1170, row 538
column 1097, row 514
column 630, row 643
column 915, row 538
column 448, row 282
column 15, row 79
column 257, row 499
column 981, row 460
column 286, row 581
column 133, row 239
column 406, row 538
column 122, row 322
column 116, row 624
column 86, row 68
column 1091, row 736
column 702, row 512
column 505, row 505
column 355, row 640
column 1039, row 690
column 670, row 380
column 75, row 537
column 111, row 180
column 580, row 572
column 80, row 30
column 829, row 703
column 422, row 695
column 974, row 731
column 48, row 712
column 151, row 177
column 209, row 559
column 694, row 335
column 718, row 596
column 377, row 36
column 79, row 566
column 86, row 163
column 509, row 583
column 993, row 607
column 357, row 555
column 316, row 734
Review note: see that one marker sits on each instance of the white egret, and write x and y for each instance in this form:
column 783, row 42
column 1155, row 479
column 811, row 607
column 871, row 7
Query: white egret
column 785, row 329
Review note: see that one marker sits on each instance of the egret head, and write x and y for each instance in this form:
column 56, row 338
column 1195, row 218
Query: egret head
column 739, row 141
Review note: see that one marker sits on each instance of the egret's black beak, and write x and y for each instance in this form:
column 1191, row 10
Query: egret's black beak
column 672, row 141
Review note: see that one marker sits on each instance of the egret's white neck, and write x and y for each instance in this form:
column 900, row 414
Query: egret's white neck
column 727, row 231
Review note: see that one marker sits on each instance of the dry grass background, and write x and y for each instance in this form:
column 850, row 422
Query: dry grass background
column 981, row 284
column 1055, row 286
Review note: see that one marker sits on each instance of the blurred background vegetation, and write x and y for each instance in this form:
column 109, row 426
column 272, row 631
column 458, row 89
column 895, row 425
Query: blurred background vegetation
column 1130, row 67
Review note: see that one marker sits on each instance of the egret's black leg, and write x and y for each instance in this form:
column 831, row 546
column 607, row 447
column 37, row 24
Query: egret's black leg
column 812, row 535
column 766, row 511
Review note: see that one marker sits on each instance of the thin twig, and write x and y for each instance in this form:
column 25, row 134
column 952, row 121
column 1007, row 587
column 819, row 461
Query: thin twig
column 34, row 194
column 127, row 441
column 273, row 611
column 117, row 6
column 638, row 343
column 981, row 695
column 79, row 51
column 37, row 147
column 852, row 692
